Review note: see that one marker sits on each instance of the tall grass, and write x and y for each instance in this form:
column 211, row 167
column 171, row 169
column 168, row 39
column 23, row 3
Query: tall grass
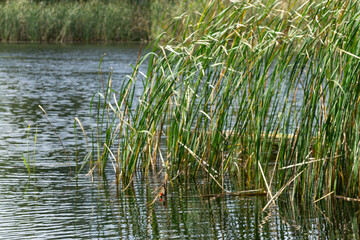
column 94, row 20
column 243, row 87
column 162, row 13
column 64, row 21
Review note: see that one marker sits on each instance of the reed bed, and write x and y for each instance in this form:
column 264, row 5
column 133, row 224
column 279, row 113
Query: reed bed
column 243, row 88
column 93, row 20
column 69, row 21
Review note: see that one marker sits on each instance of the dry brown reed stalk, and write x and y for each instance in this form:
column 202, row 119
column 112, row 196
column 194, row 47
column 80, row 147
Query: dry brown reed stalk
column 266, row 184
column 323, row 197
column 272, row 200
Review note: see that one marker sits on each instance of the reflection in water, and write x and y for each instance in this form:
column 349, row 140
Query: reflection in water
column 78, row 209
column 51, row 204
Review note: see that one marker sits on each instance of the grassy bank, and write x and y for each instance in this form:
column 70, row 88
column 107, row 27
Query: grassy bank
column 69, row 21
column 94, row 20
column 245, row 89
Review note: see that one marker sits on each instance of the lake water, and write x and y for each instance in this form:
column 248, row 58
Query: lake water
column 51, row 204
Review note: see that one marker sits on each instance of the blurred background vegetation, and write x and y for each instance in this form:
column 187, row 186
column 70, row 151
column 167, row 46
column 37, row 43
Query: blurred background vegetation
column 89, row 20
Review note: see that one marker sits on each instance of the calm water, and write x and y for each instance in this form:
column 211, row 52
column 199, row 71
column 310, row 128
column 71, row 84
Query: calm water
column 52, row 205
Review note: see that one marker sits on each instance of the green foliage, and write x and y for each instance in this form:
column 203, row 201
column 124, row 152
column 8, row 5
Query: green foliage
column 64, row 21
column 92, row 20
column 163, row 12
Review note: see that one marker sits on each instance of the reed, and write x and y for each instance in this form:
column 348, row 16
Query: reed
column 243, row 87
column 69, row 21
column 27, row 159
column 94, row 20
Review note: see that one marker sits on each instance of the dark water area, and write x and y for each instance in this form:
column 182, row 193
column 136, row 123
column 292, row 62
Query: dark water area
column 52, row 204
